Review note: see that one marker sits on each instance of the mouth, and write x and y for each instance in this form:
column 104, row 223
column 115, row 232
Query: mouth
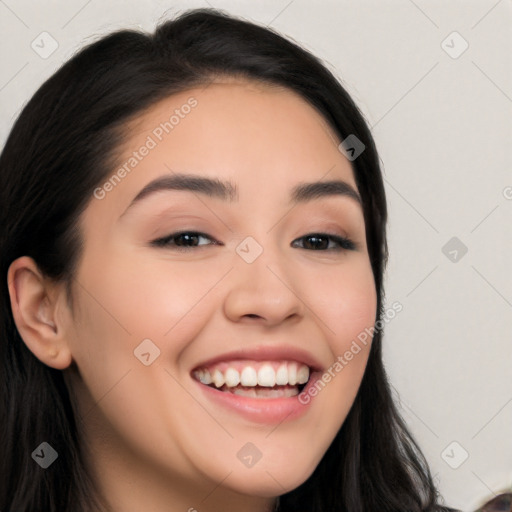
column 260, row 384
column 256, row 379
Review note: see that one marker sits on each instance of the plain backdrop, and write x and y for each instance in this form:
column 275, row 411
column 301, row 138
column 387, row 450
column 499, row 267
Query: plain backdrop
column 434, row 80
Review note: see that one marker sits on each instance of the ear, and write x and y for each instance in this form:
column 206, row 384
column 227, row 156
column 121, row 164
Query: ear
column 35, row 301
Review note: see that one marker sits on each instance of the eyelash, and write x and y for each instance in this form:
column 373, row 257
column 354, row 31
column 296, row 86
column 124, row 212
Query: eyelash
column 343, row 242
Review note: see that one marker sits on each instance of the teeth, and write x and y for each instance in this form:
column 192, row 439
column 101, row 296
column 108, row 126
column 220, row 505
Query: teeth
column 218, row 378
column 250, row 374
column 204, row 376
column 232, row 378
column 302, row 374
column 282, row 375
column 267, row 376
column 292, row 374
column 245, row 392
column 285, row 392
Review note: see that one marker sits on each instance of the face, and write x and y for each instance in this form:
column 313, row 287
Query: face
column 187, row 288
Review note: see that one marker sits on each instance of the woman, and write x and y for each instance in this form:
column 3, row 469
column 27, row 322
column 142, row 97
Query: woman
column 193, row 241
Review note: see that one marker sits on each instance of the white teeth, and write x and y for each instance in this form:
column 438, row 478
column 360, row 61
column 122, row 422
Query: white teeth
column 302, row 374
column 232, row 377
column 218, row 378
column 292, row 374
column 249, row 377
column 245, row 392
column 282, row 375
column 267, row 376
column 204, row 376
column 264, row 374
column 266, row 392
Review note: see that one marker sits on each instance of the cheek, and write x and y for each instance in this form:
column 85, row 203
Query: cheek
column 154, row 298
column 120, row 305
column 346, row 311
column 345, row 302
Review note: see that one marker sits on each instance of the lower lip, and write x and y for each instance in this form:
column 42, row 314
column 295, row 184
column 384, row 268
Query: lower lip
column 261, row 410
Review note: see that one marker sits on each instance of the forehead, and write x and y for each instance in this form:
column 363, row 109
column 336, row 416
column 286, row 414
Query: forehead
column 263, row 139
column 239, row 125
column 238, row 104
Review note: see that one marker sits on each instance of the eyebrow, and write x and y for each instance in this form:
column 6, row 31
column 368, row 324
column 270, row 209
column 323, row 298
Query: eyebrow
column 227, row 191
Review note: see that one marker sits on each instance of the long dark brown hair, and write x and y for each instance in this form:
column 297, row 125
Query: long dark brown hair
column 63, row 145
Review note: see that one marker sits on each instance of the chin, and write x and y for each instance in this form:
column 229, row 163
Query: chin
column 269, row 483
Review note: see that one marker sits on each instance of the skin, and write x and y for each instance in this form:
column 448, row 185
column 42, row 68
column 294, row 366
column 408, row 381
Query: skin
column 155, row 442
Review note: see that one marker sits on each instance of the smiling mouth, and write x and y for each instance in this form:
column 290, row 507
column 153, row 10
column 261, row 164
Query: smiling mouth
column 255, row 379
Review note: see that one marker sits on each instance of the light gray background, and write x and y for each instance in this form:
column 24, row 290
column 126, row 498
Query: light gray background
column 443, row 127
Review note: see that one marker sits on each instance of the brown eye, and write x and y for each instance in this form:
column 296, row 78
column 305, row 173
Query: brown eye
column 183, row 240
column 320, row 242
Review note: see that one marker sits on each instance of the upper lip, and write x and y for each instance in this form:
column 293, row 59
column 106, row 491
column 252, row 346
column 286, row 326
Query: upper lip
column 266, row 353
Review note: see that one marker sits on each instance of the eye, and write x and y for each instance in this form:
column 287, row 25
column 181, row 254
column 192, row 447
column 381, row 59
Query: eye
column 187, row 240
column 183, row 240
column 320, row 241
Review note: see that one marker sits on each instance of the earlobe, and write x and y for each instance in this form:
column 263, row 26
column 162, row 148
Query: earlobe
column 34, row 300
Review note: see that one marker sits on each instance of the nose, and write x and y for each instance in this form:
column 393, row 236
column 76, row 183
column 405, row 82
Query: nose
column 263, row 292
